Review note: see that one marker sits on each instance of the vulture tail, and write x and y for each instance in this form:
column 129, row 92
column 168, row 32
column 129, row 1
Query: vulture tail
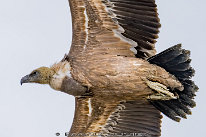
column 176, row 61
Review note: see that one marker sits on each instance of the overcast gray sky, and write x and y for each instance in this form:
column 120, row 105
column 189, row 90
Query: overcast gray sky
column 37, row 33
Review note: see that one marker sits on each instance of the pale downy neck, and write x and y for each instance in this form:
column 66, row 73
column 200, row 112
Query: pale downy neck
column 63, row 81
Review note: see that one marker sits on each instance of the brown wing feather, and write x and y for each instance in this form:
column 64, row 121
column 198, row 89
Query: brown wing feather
column 81, row 116
column 136, row 117
column 114, row 27
column 115, row 117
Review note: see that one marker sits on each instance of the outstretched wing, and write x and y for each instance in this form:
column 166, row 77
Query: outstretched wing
column 113, row 117
column 114, row 27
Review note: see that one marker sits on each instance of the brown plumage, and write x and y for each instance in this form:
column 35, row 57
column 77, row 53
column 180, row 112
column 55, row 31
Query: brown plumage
column 119, row 84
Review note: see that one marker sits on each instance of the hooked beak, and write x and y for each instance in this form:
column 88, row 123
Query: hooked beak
column 25, row 79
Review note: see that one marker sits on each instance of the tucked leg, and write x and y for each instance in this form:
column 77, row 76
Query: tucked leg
column 163, row 92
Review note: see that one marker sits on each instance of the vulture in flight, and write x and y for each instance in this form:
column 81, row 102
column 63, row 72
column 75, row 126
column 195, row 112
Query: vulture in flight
column 121, row 86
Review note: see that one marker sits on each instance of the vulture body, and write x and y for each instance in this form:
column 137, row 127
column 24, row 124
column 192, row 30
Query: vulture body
column 119, row 83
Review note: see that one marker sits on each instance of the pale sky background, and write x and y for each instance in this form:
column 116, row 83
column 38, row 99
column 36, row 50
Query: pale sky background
column 34, row 33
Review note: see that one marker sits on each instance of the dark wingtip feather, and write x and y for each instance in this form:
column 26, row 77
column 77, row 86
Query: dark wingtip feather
column 166, row 55
column 177, row 62
column 166, row 110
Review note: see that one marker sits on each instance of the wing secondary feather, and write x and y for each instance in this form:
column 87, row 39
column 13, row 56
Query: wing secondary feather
column 113, row 117
column 114, row 27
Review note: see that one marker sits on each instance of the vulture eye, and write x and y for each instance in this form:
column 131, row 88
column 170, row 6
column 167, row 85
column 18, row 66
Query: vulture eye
column 33, row 73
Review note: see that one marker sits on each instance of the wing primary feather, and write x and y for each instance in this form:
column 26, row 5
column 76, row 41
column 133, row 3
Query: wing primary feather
column 131, row 25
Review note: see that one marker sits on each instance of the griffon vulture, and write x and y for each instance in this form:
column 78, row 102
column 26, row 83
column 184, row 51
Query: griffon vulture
column 119, row 82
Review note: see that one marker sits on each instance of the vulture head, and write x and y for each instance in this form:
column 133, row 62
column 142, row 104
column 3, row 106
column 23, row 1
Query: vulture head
column 40, row 75
column 58, row 76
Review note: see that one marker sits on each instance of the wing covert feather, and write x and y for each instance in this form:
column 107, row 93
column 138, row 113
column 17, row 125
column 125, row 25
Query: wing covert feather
column 114, row 27
column 113, row 117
